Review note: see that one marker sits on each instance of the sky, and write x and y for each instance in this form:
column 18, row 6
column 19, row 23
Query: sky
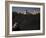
column 23, row 9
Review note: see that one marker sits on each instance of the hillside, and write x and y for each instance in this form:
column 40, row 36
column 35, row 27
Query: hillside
column 26, row 22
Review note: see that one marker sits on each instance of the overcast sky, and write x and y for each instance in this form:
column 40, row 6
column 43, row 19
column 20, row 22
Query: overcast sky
column 23, row 9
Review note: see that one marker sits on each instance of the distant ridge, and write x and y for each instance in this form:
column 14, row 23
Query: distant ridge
column 26, row 13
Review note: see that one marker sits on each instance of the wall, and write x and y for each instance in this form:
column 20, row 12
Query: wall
column 2, row 19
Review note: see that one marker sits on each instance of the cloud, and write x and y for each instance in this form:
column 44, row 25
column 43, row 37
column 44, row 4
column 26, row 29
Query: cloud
column 23, row 9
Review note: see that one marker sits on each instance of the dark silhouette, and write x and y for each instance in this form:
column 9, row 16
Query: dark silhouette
column 26, row 22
